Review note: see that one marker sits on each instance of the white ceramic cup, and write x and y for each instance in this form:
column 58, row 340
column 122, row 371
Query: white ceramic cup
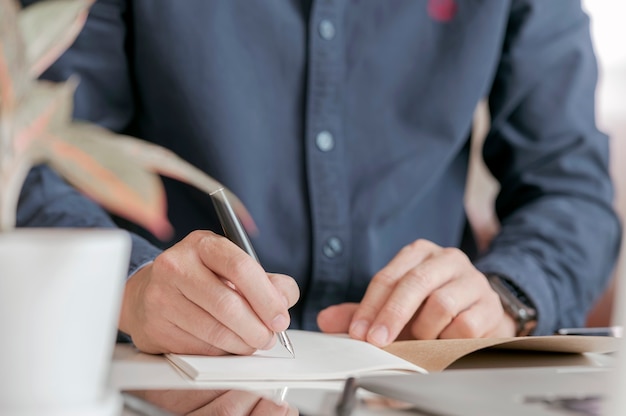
column 60, row 295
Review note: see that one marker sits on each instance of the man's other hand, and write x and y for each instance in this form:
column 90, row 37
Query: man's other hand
column 425, row 292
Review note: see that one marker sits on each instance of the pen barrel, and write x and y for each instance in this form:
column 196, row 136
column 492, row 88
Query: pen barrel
column 232, row 227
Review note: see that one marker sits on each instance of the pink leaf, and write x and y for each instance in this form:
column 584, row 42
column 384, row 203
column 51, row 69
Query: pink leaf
column 142, row 201
column 13, row 72
column 45, row 107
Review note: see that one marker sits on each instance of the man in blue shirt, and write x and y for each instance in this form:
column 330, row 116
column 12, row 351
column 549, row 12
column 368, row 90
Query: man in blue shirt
column 344, row 127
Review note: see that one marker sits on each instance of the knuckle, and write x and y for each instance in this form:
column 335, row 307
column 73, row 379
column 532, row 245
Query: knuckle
column 366, row 311
column 240, row 265
column 205, row 241
column 418, row 281
column 396, row 311
column 385, row 279
column 166, row 262
column 467, row 326
column 454, row 253
column 201, row 236
column 418, row 245
column 444, row 304
column 215, row 338
column 228, row 303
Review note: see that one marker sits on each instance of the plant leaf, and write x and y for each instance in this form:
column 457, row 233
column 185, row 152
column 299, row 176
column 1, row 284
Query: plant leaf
column 45, row 107
column 13, row 74
column 118, row 172
column 47, row 38
column 165, row 162
column 94, row 165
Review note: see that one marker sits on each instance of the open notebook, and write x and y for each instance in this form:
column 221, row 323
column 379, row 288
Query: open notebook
column 318, row 357
column 336, row 357
column 538, row 391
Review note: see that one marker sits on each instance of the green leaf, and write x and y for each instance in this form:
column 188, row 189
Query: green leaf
column 86, row 156
column 47, row 38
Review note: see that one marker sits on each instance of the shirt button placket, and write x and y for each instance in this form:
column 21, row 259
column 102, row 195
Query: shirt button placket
column 326, row 166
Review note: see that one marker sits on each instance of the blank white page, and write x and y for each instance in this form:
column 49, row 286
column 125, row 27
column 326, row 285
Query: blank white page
column 318, row 357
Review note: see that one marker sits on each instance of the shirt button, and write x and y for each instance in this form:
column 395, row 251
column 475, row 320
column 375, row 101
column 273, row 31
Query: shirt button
column 327, row 29
column 325, row 141
column 333, row 247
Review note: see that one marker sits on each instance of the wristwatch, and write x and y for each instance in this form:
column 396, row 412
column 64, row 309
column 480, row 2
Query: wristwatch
column 516, row 304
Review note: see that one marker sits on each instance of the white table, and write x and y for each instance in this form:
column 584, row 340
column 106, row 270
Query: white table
column 132, row 371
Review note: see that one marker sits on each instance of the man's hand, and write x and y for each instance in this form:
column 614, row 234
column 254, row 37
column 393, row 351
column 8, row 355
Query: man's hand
column 206, row 296
column 425, row 292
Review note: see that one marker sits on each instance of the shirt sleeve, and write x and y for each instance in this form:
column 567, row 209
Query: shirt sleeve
column 559, row 235
column 104, row 98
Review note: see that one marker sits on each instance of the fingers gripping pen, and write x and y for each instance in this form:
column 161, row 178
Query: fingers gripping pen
column 233, row 229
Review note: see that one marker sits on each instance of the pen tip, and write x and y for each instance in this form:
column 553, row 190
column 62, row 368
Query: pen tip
column 284, row 339
column 289, row 348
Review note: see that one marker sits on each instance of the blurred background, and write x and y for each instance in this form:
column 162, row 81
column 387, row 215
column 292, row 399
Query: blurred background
column 608, row 27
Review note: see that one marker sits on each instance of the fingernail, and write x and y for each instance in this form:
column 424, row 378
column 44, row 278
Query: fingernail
column 378, row 335
column 358, row 329
column 280, row 323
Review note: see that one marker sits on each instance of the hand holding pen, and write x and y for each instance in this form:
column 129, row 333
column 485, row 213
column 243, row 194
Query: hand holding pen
column 205, row 296
column 234, row 231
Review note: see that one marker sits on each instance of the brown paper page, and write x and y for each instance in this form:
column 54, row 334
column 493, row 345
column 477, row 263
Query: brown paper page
column 437, row 355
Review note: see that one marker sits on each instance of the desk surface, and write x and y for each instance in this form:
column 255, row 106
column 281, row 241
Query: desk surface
column 135, row 371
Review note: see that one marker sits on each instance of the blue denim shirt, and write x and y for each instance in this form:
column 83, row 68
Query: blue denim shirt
column 344, row 127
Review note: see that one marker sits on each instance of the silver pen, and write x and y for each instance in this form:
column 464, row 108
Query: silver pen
column 233, row 229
